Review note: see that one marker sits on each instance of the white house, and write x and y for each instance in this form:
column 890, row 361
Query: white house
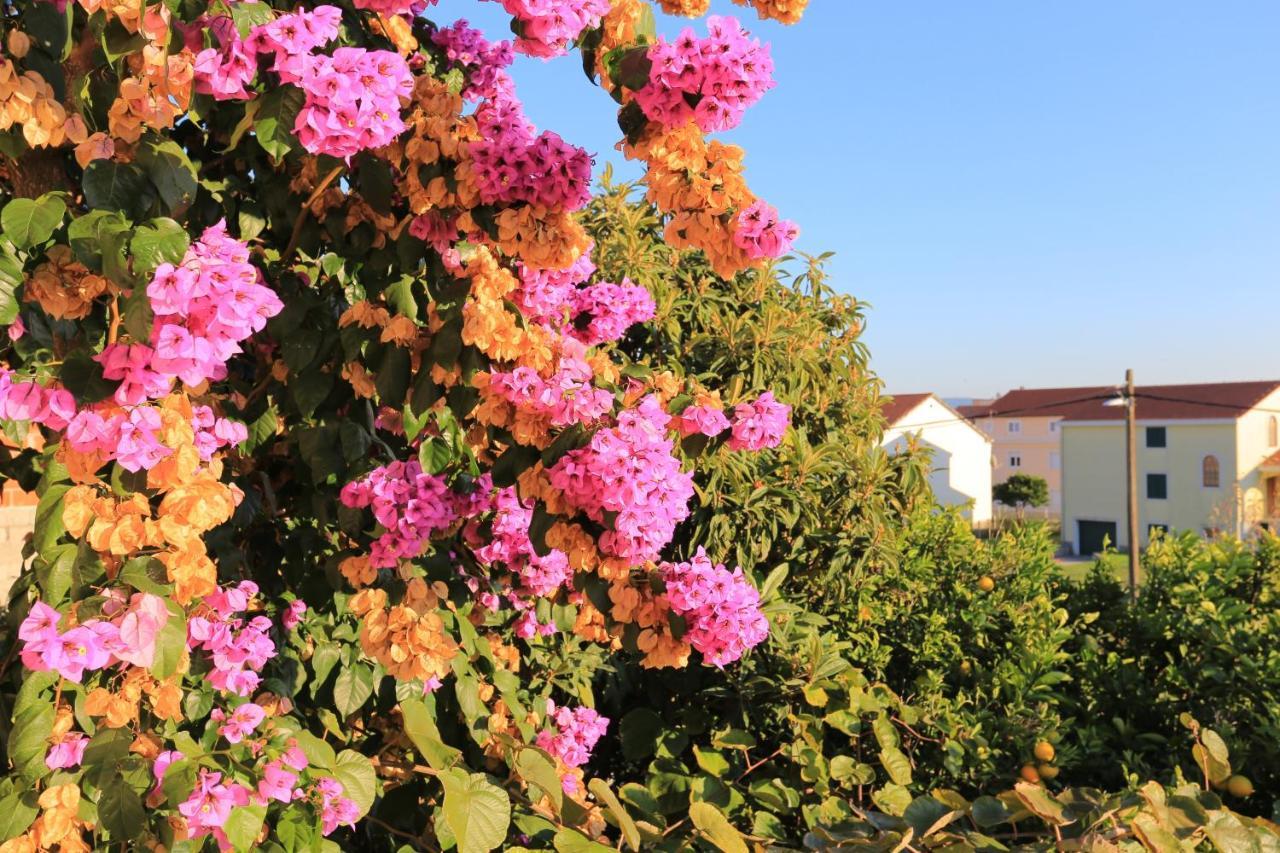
column 1208, row 461
column 961, row 452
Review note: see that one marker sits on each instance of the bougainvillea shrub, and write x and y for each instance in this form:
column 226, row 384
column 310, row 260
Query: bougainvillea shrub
column 346, row 490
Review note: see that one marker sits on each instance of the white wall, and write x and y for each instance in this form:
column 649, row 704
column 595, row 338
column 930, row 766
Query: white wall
column 961, row 456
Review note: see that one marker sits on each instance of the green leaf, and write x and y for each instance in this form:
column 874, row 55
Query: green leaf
column 122, row 187
column 422, row 730
column 262, row 430
column 309, row 390
column 244, row 825
column 120, row 810
column 1230, row 835
column 170, row 171
column 621, row 817
column 534, row 767
column 892, row 799
column 28, row 222
column 49, row 28
column 11, row 278
column 273, row 122
column 478, row 812
column 157, row 242
column 82, row 376
column 897, row 765
column 639, row 731
column 18, row 811
column 28, row 739
column 1041, row 803
column 570, row 841
column 146, row 574
column 323, row 660
column 179, row 781
column 927, row 816
column 138, row 316
column 988, row 812
column 171, row 642
column 359, row 782
column 712, row 823
column 49, row 527
column 88, row 235
column 317, row 751
column 352, row 689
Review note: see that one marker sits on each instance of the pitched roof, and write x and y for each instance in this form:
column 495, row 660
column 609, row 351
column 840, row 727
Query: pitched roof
column 899, row 405
column 1040, row 402
column 1212, row 400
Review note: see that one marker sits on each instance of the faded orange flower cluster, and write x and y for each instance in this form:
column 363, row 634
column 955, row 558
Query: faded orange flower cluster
column 119, row 707
column 687, row 8
column 193, row 501
column 786, row 11
column 489, row 326
column 59, row 826
column 63, row 286
column 28, row 101
column 410, row 641
column 700, row 185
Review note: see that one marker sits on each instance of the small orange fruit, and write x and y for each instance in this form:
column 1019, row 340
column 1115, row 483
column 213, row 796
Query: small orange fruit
column 1045, row 751
column 1047, row 771
column 1029, row 773
column 986, row 583
column 1240, row 786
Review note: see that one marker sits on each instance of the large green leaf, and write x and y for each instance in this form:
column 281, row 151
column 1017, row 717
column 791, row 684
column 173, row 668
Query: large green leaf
column 170, row 171
column 120, row 187
column 352, row 689
column 478, row 812
column 359, row 782
column 18, row 810
column 274, row 119
column 244, row 825
column 716, row 827
column 422, row 730
column 157, row 242
column 120, row 810
column 28, row 222
column 11, row 279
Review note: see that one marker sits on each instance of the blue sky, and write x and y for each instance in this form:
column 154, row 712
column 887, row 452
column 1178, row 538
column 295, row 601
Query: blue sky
column 1027, row 194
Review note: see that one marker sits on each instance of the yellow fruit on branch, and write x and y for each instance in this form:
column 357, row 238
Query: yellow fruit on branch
column 986, row 583
column 1047, row 771
column 1240, row 786
column 1029, row 773
column 1045, row 751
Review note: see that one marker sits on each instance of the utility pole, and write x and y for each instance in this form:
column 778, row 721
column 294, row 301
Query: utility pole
column 1131, row 439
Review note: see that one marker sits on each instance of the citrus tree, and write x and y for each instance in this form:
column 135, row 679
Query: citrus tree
column 346, row 488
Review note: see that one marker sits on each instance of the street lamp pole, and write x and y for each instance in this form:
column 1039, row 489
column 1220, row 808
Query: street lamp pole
column 1131, row 462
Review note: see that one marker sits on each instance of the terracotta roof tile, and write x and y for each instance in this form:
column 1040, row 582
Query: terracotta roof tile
column 899, row 405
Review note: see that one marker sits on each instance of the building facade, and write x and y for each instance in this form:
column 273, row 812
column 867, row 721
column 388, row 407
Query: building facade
column 961, row 471
column 1024, row 426
column 1208, row 461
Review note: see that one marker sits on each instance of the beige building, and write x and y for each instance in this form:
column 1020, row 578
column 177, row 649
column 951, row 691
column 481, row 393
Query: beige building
column 1024, row 428
column 1208, row 461
column 961, row 454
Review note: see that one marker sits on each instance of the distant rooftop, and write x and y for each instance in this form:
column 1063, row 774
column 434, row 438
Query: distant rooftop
column 1212, row 400
column 900, row 404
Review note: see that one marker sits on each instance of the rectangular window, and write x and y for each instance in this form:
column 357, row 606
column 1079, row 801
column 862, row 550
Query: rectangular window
column 1157, row 487
column 1157, row 437
column 1053, row 426
column 1015, row 461
column 1055, row 460
column 1015, row 426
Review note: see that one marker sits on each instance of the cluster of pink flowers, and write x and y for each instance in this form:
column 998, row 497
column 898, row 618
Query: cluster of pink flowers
column 213, row 433
column 335, row 809
column 293, row 613
column 209, row 806
column 128, row 636
column 711, row 81
column 513, row 165
column 66, row 753
column 603, row 311
column 545, row 28
column 722, row 608
column 544, row 296
column 628, row 473
column 527, row 626
column 410, row 504
column 700, row 420
column 353, row 101
column 760, row 424
column 204, row 308
column 577, row 730
column 567, row 397
column 31, row 401
column 353, row 97
column 484, row 63
column 762, row 234
column 507, row 542
column 238, row 649
column 240, row 723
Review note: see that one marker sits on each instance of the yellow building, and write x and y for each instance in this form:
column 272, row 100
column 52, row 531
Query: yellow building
column 1023, row 426
column 1208, row 461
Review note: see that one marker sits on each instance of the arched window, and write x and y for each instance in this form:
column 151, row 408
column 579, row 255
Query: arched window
column 1211, row 473
column 1273, row 432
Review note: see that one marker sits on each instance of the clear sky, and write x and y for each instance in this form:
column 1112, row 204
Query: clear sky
column 1026, row 193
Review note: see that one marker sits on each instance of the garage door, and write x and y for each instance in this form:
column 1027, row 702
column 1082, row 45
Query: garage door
column 1092, row 534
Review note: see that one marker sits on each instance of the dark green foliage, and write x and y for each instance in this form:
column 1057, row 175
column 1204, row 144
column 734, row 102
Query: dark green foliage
column 1022, row 490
